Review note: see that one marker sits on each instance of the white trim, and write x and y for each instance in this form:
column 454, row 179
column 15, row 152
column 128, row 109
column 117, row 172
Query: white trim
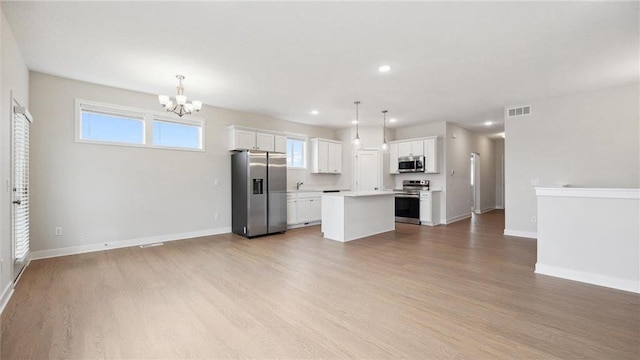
column 589, row 192
column 499, row 207
column 519, row 233
column 486, row 210
column 6, row 296
column 589, row 278
column 72, row 250
column 457, row 218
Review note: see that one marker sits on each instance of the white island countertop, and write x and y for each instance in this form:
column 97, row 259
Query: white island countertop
column 359, row 193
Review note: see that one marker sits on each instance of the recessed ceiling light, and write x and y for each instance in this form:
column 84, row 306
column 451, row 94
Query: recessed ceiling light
column 392, row 120
column 315, row 112
column 488, row 123
column 384, row 68
column 354, row 122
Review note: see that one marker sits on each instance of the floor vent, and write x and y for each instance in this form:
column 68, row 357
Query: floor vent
column 151, row 245
column 519, row 111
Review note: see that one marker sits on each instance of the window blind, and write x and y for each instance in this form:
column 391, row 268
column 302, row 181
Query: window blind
column 21, row 187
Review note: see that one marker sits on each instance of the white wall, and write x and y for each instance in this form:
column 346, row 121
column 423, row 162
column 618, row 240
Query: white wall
column 499, row 153
column 590, row 235
column 586, row 140
column 460, row 144
column 15, row 79
column 101, row 193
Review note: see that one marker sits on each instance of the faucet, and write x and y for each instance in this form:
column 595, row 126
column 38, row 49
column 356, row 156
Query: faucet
column 298, row 184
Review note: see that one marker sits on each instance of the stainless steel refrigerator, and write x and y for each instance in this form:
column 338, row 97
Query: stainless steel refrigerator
column 259, row 193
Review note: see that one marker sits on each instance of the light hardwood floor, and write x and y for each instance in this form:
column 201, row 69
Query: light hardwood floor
column 457, row 291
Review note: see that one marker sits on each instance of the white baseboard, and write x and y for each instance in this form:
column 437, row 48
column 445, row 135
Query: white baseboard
column 589, row 278
column 6, row 296
column 499, row 207
column 295, row 226
column 72, row 250
column 457, row 218
column 486, row 210
column 524, row 234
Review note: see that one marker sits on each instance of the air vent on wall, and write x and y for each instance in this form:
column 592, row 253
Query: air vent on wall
column 519, row 111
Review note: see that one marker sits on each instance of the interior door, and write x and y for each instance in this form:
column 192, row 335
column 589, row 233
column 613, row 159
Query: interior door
column 368, row 170
column 20, row 188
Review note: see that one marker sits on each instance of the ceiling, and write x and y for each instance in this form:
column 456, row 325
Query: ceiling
column 454, row 61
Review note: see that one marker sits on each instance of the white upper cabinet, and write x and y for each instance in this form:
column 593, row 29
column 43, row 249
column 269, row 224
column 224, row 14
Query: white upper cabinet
column 241, row 139
column 326, row 156
column 431, row 156
column 334, row 164
column 280, row 144
column 393, row 158
column 411, row 148
column 244, row 139
column 265, row 142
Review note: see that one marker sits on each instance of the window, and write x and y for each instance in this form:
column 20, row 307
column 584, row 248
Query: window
column 97, row 126
column 178, row 135
column 295, row 153
column 115, row 125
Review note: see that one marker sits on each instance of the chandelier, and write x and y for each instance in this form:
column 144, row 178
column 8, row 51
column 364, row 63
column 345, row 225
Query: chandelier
column 181, row 106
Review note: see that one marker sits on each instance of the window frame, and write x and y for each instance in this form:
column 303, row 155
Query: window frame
column 146, row 116
column 304, row 150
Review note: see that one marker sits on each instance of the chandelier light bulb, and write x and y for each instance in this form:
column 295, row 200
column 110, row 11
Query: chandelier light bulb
column 197, row 105
column 164, row 99
column 181, row 99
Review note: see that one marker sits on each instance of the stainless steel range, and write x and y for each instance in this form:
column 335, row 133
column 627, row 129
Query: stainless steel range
column 408, row 201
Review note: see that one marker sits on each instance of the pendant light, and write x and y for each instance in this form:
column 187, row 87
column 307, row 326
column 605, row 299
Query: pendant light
column 356, row 141
column 384, row 146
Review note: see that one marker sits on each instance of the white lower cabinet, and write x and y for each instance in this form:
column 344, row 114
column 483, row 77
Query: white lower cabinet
column 430, row 208
column 304, row 208
column 292, row 211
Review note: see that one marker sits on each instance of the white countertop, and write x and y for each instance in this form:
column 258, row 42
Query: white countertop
column 359, row 193
column 316, row 190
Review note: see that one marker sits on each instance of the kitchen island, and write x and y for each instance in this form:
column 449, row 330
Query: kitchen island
column 352, row 215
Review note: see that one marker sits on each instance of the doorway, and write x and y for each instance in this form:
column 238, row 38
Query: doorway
column 475, row 183
column 367, row 170
column 20, row 188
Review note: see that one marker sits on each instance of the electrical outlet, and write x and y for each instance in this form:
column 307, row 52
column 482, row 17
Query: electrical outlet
column 534, row 219
column 216, row 216
column 216, row 182
column 58, row 230
column 535, row 182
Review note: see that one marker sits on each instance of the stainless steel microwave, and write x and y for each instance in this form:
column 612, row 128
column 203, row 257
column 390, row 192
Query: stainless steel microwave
column 407, row 164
